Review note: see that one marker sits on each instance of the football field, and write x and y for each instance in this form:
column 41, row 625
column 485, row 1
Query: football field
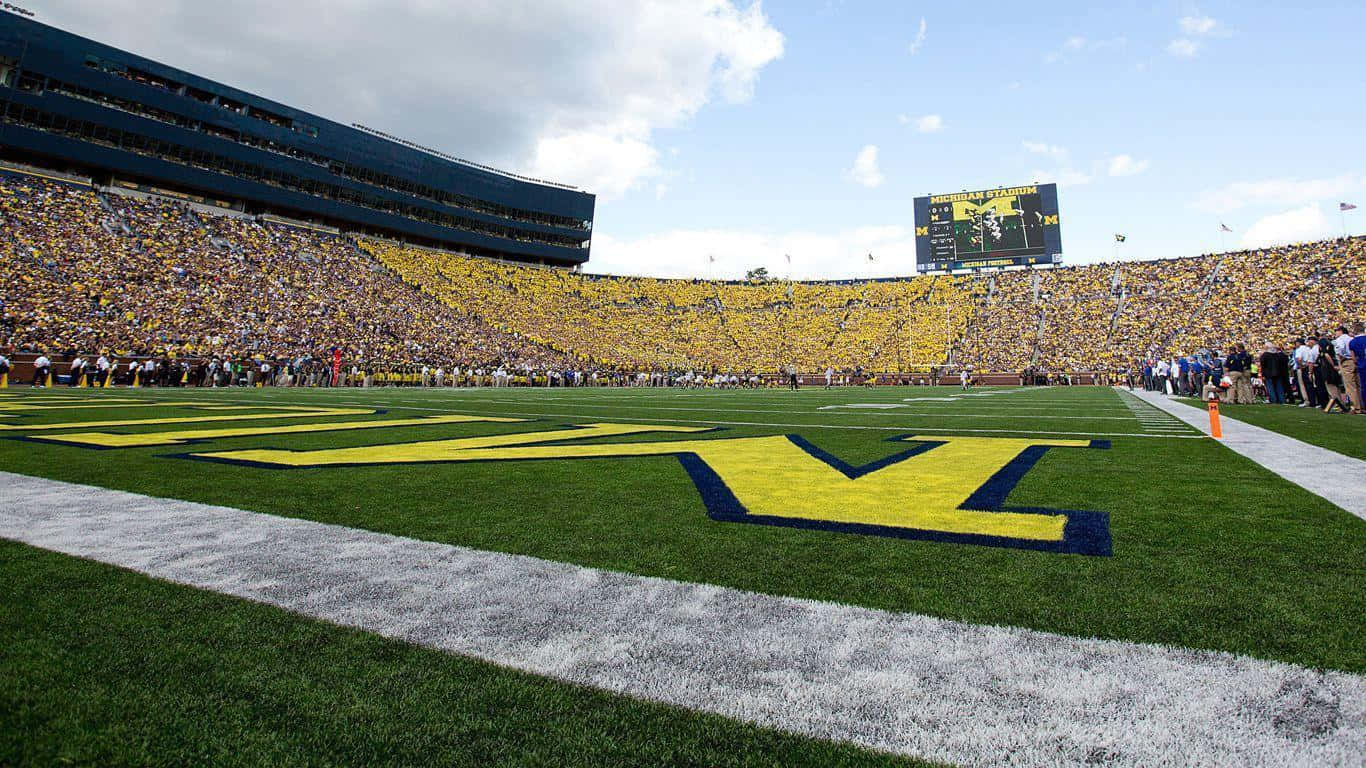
column 660, row 576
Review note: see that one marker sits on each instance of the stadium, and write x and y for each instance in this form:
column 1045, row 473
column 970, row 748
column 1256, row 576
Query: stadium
column 325, row 447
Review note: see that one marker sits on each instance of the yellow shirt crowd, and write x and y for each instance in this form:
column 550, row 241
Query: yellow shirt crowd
column 87, row 273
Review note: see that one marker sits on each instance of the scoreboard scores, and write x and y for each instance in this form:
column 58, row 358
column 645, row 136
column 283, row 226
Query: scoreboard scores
column 1011, row 226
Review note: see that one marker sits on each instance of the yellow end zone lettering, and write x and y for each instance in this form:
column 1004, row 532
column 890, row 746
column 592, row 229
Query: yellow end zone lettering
column 277, row 412
column 945, row 488
column 112, row 440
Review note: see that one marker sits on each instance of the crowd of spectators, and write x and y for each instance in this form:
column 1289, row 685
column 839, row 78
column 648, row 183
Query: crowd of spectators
column 85, row 273
column 1324, row 370
column 647, row 324
column 229, row 298
column 1053, row 323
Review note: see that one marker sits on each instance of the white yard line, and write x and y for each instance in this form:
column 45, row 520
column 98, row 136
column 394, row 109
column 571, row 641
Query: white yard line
column 1153, row 420
column 1328, row 474
column 903, row 683
column 588, row 417
column 721, row 400
column 727, row 407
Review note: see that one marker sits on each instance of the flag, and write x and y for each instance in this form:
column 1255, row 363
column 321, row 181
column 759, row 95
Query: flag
column 711, row 258
column 1120, row 238
column 1224, row 227
column 1345, row 207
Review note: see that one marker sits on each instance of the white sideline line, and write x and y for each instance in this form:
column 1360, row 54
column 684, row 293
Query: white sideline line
column 726, row 406
column 404, row 394
column 824, row 409
column 719, row 423
column 1324, row 473
column 903, row 683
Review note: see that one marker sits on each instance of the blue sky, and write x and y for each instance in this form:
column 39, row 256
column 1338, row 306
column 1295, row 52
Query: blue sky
column 1226, row 112
column 746, row 131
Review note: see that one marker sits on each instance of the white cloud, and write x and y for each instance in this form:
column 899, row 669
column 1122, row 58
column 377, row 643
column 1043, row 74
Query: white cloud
column 1183, row 48
column 1193, row 27
column 866, row 170
column 1078, row 44
column 606, row 164
column 1125, row 165
column 1198, row 25
column 1065, row 177
column 1293, row 226
column 1268, row 192
column 1051, row 150
column 929, row 124
column 1067, row 174
column 815, row 255
column 924, row 123
column 919, row 37
column 593, row 80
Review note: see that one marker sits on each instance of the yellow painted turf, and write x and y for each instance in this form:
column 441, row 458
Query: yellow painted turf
column 112, row 440
column 770, row 476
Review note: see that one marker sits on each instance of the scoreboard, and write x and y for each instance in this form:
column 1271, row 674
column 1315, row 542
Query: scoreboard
column 1010, row 226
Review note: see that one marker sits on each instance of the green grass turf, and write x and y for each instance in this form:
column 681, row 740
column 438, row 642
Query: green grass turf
column 1344, row 433
column 104, row 667
column 1211, row 550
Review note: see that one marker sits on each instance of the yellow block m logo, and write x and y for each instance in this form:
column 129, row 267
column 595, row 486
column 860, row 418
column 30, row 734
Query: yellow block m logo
column 941, row 488
column 966, row 210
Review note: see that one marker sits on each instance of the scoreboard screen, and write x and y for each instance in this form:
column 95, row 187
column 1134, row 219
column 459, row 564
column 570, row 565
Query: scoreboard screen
column 1011, row 226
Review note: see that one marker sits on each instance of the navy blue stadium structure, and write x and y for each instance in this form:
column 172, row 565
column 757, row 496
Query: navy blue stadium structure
column 76, row 105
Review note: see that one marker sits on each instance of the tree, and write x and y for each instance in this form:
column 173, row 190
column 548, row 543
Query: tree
column 758, row 274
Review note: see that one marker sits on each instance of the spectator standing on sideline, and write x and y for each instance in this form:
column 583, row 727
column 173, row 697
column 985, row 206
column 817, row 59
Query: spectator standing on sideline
column 1304, row 360
column 1329, row 374
column 1351, row 383
column 1237, row 365
column 1283, row 365
column 1316, row 384
column 1273, row 374
column 1357, row 346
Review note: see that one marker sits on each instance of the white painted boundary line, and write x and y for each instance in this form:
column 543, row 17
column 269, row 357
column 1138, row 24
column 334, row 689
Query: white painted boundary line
column 395, row 397
column 267, row 402
column 264, row 403
column 729, row 409
column 1331, row 475
column 1153, row 420
column 903, row 683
